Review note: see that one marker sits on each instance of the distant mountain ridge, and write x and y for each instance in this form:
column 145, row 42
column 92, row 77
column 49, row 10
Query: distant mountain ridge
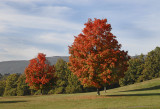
column 20, row 65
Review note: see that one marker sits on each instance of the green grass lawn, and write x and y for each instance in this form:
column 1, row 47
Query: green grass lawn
column 144, row 95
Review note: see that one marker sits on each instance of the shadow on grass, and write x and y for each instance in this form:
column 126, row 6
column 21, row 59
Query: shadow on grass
column 142, row 94
column 144, row 89
column 11, row 101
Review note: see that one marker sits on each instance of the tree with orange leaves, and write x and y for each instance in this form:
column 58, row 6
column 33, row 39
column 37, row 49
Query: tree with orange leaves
column 96, row 56
column 39, row 73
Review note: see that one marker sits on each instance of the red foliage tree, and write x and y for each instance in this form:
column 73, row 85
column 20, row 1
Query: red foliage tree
column 39, row 73
column 95, row 55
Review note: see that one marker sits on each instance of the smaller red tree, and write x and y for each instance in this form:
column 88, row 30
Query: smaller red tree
column 39, row 73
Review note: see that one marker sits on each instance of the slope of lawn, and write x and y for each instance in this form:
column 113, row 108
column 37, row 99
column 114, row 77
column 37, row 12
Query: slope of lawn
column 140, row 96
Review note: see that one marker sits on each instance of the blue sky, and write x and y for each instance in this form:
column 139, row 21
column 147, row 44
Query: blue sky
column 28, row 27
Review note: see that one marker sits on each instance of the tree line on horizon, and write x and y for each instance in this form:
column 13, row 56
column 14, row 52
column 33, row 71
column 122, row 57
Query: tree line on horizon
column 141, row 68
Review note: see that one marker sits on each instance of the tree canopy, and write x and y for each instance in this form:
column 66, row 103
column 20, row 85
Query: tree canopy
column 39, row 73
column 11, row 85
column 96, row 56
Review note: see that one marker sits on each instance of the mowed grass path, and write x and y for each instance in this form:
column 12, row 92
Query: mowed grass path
column 144, row 95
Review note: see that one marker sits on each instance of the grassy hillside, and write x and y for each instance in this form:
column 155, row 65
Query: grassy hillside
column 140, row 96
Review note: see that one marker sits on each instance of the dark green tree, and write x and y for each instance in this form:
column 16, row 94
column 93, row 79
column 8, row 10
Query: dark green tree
column 1, row 76
column 152, row 65
column 22, row 87
column 66, row 82
column 3, row 83
column 2, row 87
column 5, row 76
column 74, row 84
column 61, row 73
column 134, row 72
column 11, row 85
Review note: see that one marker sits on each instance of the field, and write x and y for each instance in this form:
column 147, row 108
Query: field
column 145, row 95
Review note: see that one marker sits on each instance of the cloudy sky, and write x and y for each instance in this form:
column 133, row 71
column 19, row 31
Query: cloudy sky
column 28, row 27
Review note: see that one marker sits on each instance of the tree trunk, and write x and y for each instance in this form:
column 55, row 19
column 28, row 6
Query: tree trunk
column 98, row 92
column 32, row 92
column 41, row 92
column 105, row 89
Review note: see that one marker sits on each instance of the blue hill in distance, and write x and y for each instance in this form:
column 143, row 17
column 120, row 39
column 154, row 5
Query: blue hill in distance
column 19, row 66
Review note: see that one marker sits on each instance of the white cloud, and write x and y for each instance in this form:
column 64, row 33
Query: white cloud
column 3, row 28
column 10, row 50
column 24, row 53
column 138, row 45
column 149, row 22
column 12, row 20
column 56, row 38
column 23, row 1
column 52, row 22
column 74, row 2
column 49, row 18
column 55, row 10
column 27, row 21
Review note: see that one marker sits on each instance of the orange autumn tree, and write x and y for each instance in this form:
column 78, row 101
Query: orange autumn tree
column 96, row 56
column 40, row 74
